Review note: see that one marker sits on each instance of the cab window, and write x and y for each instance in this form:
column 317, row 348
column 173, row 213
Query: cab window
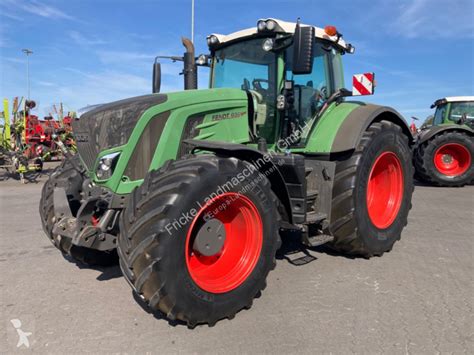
column 460, row 110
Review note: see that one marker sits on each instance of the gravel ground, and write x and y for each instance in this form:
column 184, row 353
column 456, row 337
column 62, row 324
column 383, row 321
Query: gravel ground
column 416, row 299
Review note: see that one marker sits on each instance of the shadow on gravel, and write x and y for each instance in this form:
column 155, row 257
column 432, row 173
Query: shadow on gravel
column 107, row 272
column 157, row 314
column 420, row 183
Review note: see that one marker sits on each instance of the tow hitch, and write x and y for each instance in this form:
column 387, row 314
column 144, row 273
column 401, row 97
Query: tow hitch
column 81, row 229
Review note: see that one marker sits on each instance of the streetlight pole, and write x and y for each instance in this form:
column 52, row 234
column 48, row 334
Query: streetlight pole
column 27, row 52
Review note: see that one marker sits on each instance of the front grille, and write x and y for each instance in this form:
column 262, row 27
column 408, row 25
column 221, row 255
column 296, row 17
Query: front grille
column 144, row 151
column 189, row 131
column 110, row 125
column 88, row 153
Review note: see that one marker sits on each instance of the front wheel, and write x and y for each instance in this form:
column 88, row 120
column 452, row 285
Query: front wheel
column 199, row 237
column 372, row 192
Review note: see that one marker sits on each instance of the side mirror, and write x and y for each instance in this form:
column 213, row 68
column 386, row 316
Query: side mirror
column 156, row 77
column 303, row 49
column 363, row 84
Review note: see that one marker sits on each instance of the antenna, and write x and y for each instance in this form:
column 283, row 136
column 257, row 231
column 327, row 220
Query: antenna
column 192, row 21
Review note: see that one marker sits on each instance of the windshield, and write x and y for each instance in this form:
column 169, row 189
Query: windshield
column 245, row 65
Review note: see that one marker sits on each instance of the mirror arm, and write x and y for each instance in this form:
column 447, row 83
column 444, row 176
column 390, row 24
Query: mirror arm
column 336, row 97
column 173, row 58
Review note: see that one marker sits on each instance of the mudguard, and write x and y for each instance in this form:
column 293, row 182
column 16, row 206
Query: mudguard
column 281, row 170
column 427, row 134
column 356, row 123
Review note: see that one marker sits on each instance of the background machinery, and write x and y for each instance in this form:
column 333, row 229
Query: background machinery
column 444, row 149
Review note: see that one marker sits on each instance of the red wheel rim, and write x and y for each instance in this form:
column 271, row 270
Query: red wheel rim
column 385, row 190
column 452, row 159
column 232, row 265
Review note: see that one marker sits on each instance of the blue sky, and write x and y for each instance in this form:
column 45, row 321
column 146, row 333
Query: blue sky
column 88, row 52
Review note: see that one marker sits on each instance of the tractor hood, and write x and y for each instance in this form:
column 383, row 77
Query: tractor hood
column 151, row 128
column 110, row 125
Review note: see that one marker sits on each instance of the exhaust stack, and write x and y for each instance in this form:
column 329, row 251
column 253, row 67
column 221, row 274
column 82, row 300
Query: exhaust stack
column 190, row 69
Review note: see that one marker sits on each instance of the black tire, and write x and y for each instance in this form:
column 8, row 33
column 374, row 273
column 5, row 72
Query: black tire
column 355, row 233
column 66, row 176
column 153, row 260
column 425, row 168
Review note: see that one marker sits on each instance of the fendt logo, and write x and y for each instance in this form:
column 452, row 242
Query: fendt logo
column 228, row 115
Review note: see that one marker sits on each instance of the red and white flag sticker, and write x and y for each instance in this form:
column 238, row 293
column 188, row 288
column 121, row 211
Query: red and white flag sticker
column 363, row 84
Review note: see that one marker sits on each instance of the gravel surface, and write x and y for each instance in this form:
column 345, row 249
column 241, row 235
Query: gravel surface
column 416, row 299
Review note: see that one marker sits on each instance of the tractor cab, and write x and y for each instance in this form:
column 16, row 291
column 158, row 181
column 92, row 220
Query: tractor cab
column 291, row 71
column 454, row 110
column 283, row 66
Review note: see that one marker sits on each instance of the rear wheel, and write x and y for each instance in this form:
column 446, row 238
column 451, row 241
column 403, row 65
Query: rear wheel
column 67, row 177
column 199, row 237
column 372, row 193
column 446, row 159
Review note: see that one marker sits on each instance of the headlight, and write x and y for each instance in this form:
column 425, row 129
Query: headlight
column 268, row 25
column 271, row 25
column 261, row 25
column 212, row 40
column 106, row 166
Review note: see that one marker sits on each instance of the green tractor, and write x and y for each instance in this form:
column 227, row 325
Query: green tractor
column 191, row 189
column 444, row 148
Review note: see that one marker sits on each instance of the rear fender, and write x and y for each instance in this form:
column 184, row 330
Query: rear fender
column 356, row 123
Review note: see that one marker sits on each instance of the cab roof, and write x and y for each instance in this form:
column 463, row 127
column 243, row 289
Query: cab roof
column 452, row 99
column 283, row 27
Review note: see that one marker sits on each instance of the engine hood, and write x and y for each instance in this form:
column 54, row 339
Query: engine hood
column 111, row 125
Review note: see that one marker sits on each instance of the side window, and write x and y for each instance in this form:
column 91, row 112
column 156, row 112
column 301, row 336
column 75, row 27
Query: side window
column 439, row 115
column 311, row 90
column 337, row 69
column 458, row 109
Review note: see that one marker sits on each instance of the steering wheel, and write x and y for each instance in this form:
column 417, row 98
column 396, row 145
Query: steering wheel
column 319, row 97
column 257, row 85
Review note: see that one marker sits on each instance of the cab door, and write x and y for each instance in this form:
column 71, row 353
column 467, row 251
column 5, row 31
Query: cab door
column 312, row 90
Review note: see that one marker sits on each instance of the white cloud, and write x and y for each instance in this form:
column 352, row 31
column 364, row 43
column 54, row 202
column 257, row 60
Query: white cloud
column 11, row 16
column 120, row 57
column 435, row 19
column 36, row 8
column 46, row 83
column 82, row 40
column 107, row 86
column 139, row 60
